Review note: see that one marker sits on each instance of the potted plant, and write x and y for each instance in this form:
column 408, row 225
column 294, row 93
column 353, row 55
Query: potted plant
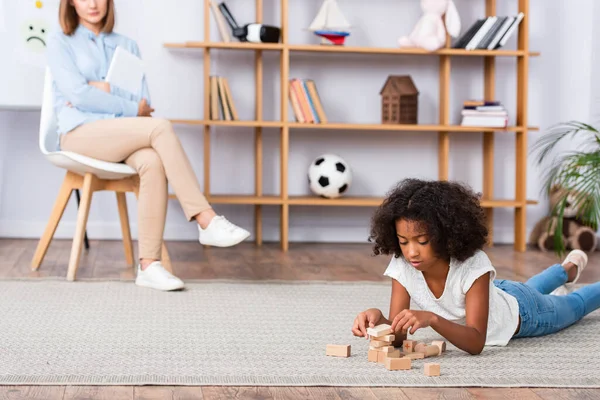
column 576, row 171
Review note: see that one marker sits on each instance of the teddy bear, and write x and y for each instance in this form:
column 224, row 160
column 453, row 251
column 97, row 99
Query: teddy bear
column 575, row 234
column 429, row 33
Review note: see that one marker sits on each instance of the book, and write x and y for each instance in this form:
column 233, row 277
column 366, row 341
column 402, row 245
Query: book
column 484, row 113
column 305, row 101
column 489, row 33
column 126, row 71
column 220, row 19
column 221, row 105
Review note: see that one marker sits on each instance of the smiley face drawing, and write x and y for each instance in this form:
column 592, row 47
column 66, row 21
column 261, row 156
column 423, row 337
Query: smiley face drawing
column 34, row 34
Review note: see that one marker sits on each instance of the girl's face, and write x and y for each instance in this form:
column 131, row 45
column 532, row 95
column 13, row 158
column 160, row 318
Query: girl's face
column 91, row 11
column 415, row 245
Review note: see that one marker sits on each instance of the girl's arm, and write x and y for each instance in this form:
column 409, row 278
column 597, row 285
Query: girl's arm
column 469, row 337
column 400, row 301
column 75, row 87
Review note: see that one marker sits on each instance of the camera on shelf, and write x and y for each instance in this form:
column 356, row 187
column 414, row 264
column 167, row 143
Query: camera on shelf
column 254, row 32
column 258, row 33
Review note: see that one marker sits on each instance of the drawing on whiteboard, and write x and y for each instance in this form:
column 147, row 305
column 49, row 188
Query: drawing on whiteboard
column 31, row 30
column 34, row 33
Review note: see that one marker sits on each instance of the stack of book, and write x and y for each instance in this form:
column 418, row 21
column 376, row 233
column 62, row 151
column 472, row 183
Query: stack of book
column 221, row 102
column 306, row 102
column 484, row 113
column 489, row 33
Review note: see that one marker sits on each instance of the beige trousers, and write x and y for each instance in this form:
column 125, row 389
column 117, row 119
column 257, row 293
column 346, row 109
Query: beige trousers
column 151, row 147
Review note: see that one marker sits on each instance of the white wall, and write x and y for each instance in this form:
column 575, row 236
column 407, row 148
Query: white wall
column 559, row 84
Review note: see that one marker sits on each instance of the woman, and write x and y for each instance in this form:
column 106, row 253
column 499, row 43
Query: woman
column 105, row 122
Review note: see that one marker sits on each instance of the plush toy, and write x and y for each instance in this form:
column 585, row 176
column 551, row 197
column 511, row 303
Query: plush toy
column 576, row 235
column 430, row 33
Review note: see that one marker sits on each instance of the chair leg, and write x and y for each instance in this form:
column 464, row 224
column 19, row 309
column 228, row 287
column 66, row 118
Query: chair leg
column 60, row 204
column 126, row 231
column 85, row 238
column 89, row 182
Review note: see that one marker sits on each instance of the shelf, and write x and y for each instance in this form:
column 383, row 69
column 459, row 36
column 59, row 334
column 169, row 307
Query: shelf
column 240, row 199
column 407, row 127
column 312, row 48
column 376, row 201
column 251, row 124
column 407, row 51
column 348, row 126
column 441, row 127
column 504, row 203
column 340, row 201
column 225, row 45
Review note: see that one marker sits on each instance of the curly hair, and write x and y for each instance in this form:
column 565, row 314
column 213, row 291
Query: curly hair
column 449, row 212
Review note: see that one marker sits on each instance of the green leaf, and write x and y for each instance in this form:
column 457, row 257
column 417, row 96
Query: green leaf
column 576, row 171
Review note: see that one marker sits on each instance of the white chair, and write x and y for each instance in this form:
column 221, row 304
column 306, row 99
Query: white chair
column 89, row 175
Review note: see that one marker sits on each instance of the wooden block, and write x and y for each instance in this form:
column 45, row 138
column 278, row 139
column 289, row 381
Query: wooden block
column 387, row 349
column 441, row 344
column 381, row 356
column 408, row 346
column 373, row 355
column 338, row 350
column 431, row 369
column 415, row 356
column 394, row 354
column 428, row 349
column 397, row 364
column 384, row 338
column 379, row 343
column 379, row 330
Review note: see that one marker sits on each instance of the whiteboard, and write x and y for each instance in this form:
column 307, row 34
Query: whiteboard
column 24, row 29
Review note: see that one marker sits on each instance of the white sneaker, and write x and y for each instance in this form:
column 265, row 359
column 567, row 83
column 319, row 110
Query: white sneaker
column 580, row 259
column 157, row 277
column 222, row 233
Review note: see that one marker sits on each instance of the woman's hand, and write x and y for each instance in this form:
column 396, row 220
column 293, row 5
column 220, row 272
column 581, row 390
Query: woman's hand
column 411, row 318
column 364, row 320
column 144, row 110
column 104, row 86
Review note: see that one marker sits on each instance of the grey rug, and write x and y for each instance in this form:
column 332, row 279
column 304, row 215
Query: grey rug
column 226, row 333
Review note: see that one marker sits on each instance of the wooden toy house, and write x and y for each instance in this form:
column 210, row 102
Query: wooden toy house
column 399, row 100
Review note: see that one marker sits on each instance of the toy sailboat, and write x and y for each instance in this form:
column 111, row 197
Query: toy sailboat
column 330, row 24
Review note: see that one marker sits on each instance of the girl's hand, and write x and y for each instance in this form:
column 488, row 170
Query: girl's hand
column 144, row 110
column 104, row 86
column 412, row 318
column 364, row 320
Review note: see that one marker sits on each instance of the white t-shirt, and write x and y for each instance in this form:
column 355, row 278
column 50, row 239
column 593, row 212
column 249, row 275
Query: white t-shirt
column 503, row 308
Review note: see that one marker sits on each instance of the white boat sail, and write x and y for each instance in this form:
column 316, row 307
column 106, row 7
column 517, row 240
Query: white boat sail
column 330, row 18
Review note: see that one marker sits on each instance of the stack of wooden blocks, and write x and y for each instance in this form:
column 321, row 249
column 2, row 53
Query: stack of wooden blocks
column 382, row 351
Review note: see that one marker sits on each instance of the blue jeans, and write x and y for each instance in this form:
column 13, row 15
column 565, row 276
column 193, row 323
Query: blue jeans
column 542, row 313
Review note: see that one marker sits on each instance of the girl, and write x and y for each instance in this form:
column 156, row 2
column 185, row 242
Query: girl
column 105, row 122
column 435, row 231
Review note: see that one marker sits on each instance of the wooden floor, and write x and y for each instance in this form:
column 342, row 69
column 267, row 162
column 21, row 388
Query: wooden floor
column 341, row 262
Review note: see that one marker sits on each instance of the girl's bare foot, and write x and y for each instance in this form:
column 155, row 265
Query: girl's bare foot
column 571, row 271
column 574, row 263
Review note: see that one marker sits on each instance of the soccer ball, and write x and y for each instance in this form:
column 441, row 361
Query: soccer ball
column 329, row 176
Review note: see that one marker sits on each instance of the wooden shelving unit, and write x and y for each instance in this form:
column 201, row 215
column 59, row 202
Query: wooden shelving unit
column 443, row 128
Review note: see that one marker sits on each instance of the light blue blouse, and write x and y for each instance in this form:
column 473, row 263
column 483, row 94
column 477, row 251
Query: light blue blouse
column 81, row 58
